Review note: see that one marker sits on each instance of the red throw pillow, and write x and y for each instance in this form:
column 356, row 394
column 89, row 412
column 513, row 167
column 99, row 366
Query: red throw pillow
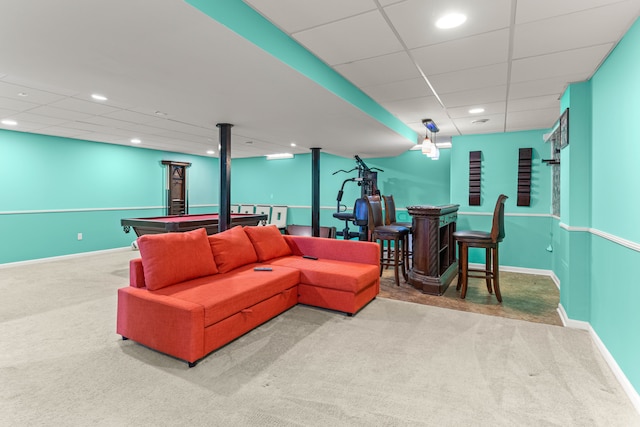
column 172, row 258
column 232, row 249
column 268, row 242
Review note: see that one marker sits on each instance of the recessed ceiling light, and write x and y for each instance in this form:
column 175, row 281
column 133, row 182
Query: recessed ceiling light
column 479, row 121
column 451, row 20
column 98, row 97
column 210, row 152
column 136, row 141
column 23, row 94
column 476, row 110
column 9, row 122
column 293, row 144
column 160, row 113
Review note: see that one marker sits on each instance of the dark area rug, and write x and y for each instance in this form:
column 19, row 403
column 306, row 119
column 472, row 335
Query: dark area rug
column 527, row 297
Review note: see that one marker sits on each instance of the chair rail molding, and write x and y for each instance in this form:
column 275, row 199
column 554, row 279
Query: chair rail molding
column 611, row 237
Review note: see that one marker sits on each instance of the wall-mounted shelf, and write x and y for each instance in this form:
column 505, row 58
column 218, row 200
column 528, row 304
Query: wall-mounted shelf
column 524, row 176
column 475, row 177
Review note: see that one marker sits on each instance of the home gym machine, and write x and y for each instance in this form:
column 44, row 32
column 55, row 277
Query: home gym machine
column 367, row 180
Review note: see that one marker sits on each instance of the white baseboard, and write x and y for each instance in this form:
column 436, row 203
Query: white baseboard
column 570, row 323
column 522, row 270
column 535, row 271
column 54, row 258
column 631, row 392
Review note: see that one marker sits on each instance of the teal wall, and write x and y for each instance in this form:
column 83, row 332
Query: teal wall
column 61, row 187
column 575, row 211
column 411, row 178
column 56, row 188
column 615, row 205
column 531, row 224
column 596, row 239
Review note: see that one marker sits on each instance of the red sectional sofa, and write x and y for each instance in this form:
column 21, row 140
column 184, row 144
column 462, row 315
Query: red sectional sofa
column 190, row 293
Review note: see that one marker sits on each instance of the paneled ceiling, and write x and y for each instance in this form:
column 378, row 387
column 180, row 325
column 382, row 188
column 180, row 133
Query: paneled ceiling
column 171, row 73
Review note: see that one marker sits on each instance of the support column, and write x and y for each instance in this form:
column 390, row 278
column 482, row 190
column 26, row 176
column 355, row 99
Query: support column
column 315, row 192
column 224, row 211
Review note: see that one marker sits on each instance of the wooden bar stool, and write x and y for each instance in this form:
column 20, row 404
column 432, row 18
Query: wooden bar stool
column 390, row 219
column 388, row 233
column 481, row 239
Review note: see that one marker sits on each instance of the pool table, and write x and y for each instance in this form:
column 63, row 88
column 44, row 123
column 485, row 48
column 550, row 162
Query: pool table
column 181, row 223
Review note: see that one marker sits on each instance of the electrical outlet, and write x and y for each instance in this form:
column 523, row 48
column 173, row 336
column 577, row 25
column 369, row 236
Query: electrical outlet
column 79, row 236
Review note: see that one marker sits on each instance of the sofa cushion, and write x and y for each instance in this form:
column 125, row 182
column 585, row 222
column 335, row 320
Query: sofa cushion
column 332, row 274
column 224, row 295
column 172, row 258
column 232, row 249
column 268, row 242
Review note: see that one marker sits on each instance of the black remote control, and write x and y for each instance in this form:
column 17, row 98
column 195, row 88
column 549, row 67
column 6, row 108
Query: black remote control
column 309, row 257
column 262, row 269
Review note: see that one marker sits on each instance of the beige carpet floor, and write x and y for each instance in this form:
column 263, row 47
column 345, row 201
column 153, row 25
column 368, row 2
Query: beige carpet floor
column 393, row 364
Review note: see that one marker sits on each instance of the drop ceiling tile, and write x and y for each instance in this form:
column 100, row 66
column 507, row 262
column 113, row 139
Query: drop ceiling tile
column 296, row 15
column 531, row 119
column 131, row 116
column 416, row 109
column 495, row 124
column 10, row 90
column 82, row 106
column 121, row 132
column 338, row 43
column 379, row 70
column 534, row 103
column 139, row 129
column 87, row 127
column 588, row 28
column 108, row 121
column 176, row 126
column 473, row 78
column 475, row 97
column 38, row 85
column 178, row 136
column 414, row 88
column 489, row 109
column 16, row 105
column 550, row 86
column 60, row 113
column 6, row 113
column 105, row 137
column 36, row 118
column 534, row 10
column 62, row 131
column 582, row 62
column 415, row 19
column 469, row 52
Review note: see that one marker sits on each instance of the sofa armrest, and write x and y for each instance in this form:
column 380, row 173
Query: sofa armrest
column 341, row 250
column 136, row 273
column 161, row 322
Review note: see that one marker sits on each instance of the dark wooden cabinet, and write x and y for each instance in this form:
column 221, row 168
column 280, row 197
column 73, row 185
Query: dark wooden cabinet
column 434, row 249
column 176, row 187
